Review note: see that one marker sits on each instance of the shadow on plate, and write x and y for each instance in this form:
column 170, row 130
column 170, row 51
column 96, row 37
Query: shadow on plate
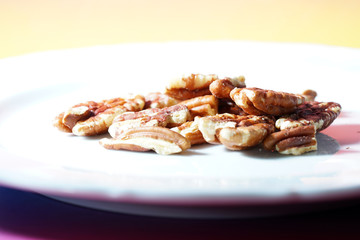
column 326, row 146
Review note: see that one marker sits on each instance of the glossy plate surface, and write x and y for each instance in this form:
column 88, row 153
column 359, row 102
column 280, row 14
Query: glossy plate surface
column 36, row 157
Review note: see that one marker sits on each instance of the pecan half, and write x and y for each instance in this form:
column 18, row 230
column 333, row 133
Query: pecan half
column 161, row 140
column 81, row 112
column 318, row 114
column 221, row 88
column 58, row 123
column 93, row 118
column 202, row 106
column 159, row 100
column 190, row 86
column 293, row 141
column 191, row 131
column 208, row 125
column 309, row 95
column 234, row 131
column 258, row 101
column 240, row 138
column 156, row 117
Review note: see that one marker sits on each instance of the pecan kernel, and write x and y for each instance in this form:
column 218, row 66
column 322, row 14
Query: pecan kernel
column 161, row 140
column 244, row 137
column 191, row 131
column 318, row 114
column 165, row 117
column 258, row 101
column 159, row 100
column 202, row 106
column 92, row 118
column 221, row 88
column 234, row 131
column 190, row 86
column 294, row 141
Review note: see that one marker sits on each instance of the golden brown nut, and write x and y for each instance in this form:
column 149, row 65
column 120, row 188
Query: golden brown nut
column 58, row 123
column 221, row 88
column 159, row 139
column 309, row 95
column 258, row 101
column 202, row 106
column 240, row 138
column 208, row 125
column 118, row 144
column 318, row 114
column 234, row 131
column 190, row 86
column 293, row 141
column 159, row 100
column 105, row 114
column 156, row 117
column 191, row 131
column 93, row 118
column 81, row 112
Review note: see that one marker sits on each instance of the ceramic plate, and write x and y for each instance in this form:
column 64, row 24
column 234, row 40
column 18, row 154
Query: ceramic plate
column 37, row 157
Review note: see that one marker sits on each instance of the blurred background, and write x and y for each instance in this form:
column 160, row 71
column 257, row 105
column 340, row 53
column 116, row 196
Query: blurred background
column 28, row 26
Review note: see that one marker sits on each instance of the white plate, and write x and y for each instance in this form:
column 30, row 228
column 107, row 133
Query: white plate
column 34, row 156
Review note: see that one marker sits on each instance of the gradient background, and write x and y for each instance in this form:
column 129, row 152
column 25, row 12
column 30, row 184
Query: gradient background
column 38, row 25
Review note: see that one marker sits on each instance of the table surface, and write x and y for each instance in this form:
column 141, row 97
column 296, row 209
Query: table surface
column 26, row 215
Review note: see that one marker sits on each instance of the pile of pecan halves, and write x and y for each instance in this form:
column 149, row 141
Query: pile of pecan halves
column 197, row 109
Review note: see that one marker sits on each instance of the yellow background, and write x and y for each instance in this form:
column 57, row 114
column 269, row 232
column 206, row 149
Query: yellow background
column 38, row 25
